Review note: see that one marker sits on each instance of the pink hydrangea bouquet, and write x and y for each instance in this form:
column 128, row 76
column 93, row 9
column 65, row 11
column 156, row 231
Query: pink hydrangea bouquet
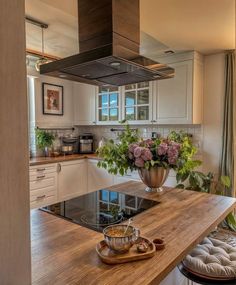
column 131, row 152
column 161, row 152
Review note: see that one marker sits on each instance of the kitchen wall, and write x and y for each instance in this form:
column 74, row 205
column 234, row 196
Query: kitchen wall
column 213, row 111
column 37, row 118
column 145, row 131
column 50, row 120
column 207, row 137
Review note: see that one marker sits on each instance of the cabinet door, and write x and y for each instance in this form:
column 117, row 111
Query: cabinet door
column 98, row 178
column 108, row 105
column 174, row 96
column 84, row 104
column 137, row 103
column 72, row 179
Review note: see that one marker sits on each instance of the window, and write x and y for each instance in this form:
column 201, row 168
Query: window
column 137, row 101
column 108, row 104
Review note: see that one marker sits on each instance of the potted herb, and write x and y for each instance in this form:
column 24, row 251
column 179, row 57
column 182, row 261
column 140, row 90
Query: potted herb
column 44, row 141
column 153, row 158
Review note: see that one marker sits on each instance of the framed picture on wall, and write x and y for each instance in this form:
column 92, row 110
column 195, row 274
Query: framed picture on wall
column 52, row 99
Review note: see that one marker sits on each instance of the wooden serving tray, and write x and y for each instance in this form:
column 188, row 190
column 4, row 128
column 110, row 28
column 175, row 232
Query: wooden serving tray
column 110, row 257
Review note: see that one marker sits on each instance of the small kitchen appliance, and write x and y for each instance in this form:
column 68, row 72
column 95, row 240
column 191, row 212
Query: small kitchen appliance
column 70, row 144
column 86, row 143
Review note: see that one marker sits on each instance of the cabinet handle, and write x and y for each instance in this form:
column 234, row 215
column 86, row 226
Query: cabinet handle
column 153, row 121
column 41, row 169
column 58, row 167
column 40, row 176
column 41, row 197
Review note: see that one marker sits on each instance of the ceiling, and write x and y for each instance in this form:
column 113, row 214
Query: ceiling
column 207, row 26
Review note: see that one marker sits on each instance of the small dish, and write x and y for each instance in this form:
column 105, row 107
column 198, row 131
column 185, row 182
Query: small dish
column 159, row 243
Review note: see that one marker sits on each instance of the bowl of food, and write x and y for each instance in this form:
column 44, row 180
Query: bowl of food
column 120, row 238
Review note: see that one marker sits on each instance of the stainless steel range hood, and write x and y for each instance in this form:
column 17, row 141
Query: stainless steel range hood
column 109, row 39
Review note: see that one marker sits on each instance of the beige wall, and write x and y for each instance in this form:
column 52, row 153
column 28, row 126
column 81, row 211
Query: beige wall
column 213, row 111
column 14, row 188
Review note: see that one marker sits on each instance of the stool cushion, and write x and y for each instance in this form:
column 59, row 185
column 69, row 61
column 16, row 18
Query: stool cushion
column 212, row 259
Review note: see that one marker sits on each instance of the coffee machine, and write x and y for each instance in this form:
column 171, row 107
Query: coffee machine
column 86, row 143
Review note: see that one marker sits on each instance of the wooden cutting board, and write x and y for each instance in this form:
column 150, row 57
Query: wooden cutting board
column 108, row 256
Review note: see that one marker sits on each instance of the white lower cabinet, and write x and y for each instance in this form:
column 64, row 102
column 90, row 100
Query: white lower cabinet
column 72, row 179
column 56, row 182
column 98, row 178
column 43, row 185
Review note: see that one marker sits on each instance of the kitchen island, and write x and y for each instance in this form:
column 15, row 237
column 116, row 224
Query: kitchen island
column 63, row 253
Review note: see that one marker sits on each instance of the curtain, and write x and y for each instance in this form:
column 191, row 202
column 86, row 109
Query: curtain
column 227, row 156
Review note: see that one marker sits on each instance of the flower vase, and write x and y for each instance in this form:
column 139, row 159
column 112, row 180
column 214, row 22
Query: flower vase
column 154, row 178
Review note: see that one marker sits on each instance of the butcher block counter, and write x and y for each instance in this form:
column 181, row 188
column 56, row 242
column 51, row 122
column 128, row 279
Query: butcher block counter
column 44, row 160
column 63, row 253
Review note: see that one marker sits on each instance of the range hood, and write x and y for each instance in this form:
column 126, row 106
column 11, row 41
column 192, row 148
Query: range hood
column 109, row 41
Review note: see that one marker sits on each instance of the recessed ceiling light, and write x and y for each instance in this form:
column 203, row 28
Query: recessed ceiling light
column 62, row 75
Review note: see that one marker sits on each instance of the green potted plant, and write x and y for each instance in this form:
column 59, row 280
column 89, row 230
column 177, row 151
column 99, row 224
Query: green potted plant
column 153, row 158
column 44, row 141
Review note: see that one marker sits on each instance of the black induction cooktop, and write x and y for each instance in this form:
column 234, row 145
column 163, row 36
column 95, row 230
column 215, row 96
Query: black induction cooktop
column 100, row 209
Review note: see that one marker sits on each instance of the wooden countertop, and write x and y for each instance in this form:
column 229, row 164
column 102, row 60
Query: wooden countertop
column 64, row 253
column 44, row 160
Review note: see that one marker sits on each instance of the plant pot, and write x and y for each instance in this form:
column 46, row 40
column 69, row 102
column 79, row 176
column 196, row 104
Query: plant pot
column 154, row 178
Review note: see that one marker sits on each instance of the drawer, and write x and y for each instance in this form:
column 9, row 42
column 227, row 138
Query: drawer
column 43, row 181
column 43, row 197
column 43, row 169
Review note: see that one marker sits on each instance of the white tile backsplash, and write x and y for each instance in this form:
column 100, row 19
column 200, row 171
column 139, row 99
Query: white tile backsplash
column 145, row 131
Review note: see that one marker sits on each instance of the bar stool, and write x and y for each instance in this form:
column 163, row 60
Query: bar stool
column 211, row 262
column 192, row 278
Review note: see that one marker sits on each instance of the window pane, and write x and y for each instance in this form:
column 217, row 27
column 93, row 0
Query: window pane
column 143, row 97
column 103, row 101
column 113, row 114
column 103, row 115
column 130, row 98
column 143, row 113
column 130, row 114
column 114, row 197
column 143, row 84
column 113, row 100
column 130, row 86
column 104, row 195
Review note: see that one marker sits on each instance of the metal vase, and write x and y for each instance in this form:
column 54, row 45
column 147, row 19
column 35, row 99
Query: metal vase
column 154, row 178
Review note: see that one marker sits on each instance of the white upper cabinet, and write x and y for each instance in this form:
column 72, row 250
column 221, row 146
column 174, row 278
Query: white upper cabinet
column 179, row 100
column 84, row 104
column 108, row 105
column 137, row 103
column 170, row 101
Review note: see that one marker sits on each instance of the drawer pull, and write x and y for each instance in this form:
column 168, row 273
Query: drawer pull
column 41, row 197
column 40, row 177
column 41, row 169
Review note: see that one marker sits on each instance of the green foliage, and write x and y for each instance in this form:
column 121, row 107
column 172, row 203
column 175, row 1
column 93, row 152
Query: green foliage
column 198, row 181
column 231, row 221
column 115, row 155
column 44, row 139
column 188, row 150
